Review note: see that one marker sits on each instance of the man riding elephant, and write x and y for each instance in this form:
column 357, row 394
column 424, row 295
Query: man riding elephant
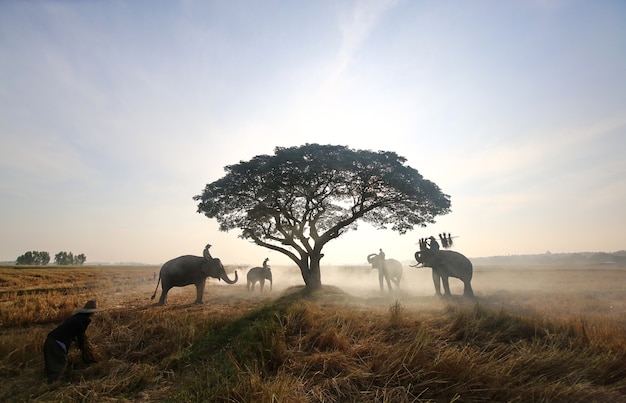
column 388, row 269
column 445, row 264
column 259, row 274
column 189, row 269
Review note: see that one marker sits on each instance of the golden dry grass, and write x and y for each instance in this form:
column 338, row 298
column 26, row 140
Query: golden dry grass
column 532, row 334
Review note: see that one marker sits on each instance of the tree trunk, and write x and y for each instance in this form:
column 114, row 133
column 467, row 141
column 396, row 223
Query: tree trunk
column 311, row 272
column 315, row 278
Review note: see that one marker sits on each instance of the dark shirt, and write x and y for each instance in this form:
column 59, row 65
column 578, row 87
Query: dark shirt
column 434, row 245
column 72, row 328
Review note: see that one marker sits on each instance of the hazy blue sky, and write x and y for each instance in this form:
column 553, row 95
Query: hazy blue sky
column 114, row 114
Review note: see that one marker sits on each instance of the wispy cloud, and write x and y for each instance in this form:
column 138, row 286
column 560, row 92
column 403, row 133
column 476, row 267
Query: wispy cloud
column 355, row 24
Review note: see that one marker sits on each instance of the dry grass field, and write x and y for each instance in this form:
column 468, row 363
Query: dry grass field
column 533, row 334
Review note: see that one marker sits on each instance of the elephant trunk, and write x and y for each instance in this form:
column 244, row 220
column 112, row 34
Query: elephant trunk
column 370, row 257
column 229, row 281
column 418, row 256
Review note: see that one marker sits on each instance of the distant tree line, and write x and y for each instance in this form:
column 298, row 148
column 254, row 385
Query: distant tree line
column 596, row 258
column 43, row 258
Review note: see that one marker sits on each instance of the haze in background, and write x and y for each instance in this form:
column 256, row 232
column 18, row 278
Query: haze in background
column 113, row 115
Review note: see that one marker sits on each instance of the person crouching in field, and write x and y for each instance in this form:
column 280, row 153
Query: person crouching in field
column 58, row 341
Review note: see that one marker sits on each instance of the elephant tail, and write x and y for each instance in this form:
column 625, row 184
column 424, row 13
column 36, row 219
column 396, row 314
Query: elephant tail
column 157, row 287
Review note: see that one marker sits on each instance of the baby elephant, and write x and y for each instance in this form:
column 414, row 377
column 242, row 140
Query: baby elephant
column 259, row 274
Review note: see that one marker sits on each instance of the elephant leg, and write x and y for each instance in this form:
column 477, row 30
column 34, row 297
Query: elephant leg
column 200, row 291
column 163, row 299
column 437, row 282
column 387, row 278
column 248, row 285
column 261, row 284
column 467, row 291
column 380, row 280
column 446, row 285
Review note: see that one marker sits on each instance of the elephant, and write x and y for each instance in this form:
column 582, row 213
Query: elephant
column 391, row 270
column 445, row 264
column 189, row 269
column 259, row 274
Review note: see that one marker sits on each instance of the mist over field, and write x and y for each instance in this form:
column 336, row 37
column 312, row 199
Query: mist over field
column 359, row 280
column 487, row 280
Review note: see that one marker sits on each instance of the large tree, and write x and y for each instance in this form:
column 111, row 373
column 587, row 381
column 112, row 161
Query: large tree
column 301, row 198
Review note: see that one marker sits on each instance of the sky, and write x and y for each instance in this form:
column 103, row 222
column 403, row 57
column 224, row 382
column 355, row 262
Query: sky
column 114, row 114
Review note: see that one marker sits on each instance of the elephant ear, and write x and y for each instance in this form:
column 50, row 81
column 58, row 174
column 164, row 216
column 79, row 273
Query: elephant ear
column 210, row 268
column 206, row 266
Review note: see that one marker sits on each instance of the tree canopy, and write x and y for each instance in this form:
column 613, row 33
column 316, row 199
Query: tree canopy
column 65, row 258
column 34, row 258
column 300, row 198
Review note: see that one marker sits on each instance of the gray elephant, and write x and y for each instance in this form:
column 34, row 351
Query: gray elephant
column 188, row 269
column 388, row 269
column 259, row 274
column 445, row 264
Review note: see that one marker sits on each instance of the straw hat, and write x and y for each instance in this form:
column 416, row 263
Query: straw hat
column 90, row 307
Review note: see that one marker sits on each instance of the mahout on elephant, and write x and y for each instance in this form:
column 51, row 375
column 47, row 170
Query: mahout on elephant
column 432, row 244
column 189, row 269
column 259, row 274
column 388, row 269
column 206, row 253
column 446, row 264
column 446, row 240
